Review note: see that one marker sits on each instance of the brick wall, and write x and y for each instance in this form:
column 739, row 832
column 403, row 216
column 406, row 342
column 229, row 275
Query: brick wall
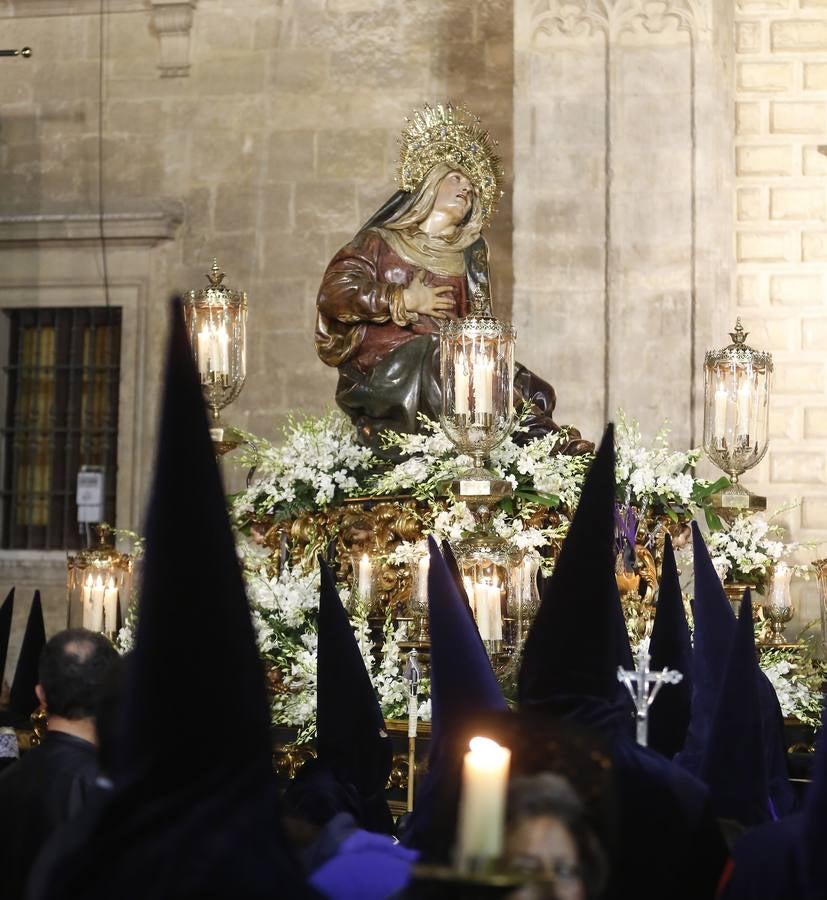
column 781, row 238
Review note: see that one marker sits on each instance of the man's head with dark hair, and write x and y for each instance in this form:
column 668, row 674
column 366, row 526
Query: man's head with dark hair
column 76, row 668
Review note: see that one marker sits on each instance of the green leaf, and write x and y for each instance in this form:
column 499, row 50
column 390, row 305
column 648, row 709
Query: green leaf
column 712, row 519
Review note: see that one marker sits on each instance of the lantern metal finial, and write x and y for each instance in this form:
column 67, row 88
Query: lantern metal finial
column 739, row 336
column 215, row 275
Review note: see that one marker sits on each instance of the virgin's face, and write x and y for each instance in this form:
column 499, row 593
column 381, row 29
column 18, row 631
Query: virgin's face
column 454, row 197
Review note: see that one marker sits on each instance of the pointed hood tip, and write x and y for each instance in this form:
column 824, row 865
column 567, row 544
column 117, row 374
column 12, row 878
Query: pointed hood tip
column 555, row 667
column 349, row 720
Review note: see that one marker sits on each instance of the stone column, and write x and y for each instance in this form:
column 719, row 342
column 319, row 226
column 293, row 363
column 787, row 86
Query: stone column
column 622, row 222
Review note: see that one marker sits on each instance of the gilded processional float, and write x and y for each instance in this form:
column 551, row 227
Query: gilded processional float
column 441, row 431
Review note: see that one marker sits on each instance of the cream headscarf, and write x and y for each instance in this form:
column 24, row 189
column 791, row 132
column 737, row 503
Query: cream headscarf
column 440, row 254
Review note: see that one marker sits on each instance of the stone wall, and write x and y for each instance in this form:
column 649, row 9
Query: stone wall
column 269, row 133
column 622, row 223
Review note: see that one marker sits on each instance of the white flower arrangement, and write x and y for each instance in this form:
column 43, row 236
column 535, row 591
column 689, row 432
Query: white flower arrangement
column 285, row 616
column 745, row 550
column 318, row 464
column 657, row 479
column 798, row 683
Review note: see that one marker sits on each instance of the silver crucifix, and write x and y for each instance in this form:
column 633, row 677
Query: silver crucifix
column 643, row 685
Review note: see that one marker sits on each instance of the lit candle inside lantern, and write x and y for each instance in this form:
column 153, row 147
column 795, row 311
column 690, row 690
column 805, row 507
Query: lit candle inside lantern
column 461, row 385
column 423, row 568
column 721, row 401
column 744, row 406
column 204, row 347
column 495, row 618
column 469, row 593
column 780, row 586
column 483, row 385
column 86, row 602
column 222, row 342
column 481, row 825
column 482, row 611
column 364, row 580
column 110, row 607
column 96, row 617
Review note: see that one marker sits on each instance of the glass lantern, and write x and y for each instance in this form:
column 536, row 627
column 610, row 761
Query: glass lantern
column 418, row 602
column 477, row 373
column 736, row 415
column 365, row 571
column 820, row 566
column 485, row 566
column 98, row 583
column 216, row 319
column 778, row 603
column 523, row 601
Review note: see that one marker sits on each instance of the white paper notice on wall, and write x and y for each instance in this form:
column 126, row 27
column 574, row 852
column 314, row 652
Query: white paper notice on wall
column 90, row 493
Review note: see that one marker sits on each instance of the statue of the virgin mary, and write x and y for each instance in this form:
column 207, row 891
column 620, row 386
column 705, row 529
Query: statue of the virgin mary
column 419, row 259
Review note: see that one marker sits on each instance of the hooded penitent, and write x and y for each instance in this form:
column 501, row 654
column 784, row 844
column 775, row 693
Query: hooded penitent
column 670, row 648
column 570, row 669
column 713, row 635
column 786, row 859
column 23, row 699
column 196, row 810
column 463, row 688
column 734, row 764
column 350, row 729
column 6, row 613
column 562, row 671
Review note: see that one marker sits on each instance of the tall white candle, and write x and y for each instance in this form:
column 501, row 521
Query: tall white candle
column 96, row 620
column 481, row 826
column 423, row 567
column 469, row 593
column 204, row 345
column 364, row 580
column 110, row 607
column 461, row 385
column 495, row 618
column 86, row 602
column 483, row 388
column 222, row 342
column 744, row 406
column 721, row 401
column 481, row 610
column 780, row 586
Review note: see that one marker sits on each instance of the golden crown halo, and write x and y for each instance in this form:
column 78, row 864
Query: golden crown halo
column 453, row 135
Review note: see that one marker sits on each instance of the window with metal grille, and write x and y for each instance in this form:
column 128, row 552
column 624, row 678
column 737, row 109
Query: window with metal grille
column 62, row 380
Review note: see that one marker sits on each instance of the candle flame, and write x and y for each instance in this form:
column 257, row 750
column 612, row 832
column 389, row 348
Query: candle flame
column 486, row 748
column 98, row 582
column 89, row 580
column 111, row 583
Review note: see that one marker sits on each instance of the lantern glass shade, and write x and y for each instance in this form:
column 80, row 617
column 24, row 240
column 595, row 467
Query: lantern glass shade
column 523, row 600
column 477, row 375
column 737, row 382
column 485, row 567
column 99, row 583
column 216, row 320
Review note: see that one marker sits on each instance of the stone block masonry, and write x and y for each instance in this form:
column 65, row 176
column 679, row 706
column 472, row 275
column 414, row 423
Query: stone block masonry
column 781, row 238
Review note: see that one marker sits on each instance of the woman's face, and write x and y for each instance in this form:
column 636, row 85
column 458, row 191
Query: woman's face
column 454, row 197
column 544, row 844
